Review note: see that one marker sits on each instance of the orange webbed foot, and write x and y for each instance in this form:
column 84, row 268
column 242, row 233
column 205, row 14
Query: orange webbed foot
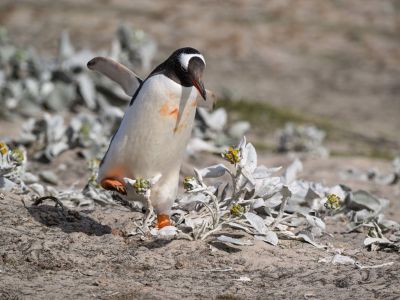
column 113, row 185
column 162, row 221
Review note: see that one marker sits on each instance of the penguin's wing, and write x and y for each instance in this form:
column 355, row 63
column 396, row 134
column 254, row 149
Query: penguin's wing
column 117, row 72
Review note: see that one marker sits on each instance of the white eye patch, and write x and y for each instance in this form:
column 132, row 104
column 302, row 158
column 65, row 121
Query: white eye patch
column 184, row 59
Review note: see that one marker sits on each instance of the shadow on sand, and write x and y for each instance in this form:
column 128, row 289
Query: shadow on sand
column 68, row 220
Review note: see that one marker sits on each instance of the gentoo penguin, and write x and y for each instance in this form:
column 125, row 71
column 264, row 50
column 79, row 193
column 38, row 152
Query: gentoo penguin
column 156, row 127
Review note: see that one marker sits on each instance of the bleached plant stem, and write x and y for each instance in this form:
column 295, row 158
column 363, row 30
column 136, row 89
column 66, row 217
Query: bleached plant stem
column 211, row 232
column 359, row 266
column 278, row 218
column 217, row 215
column 238, row 191
column 243, row 185
column 378, row 229
column 201, row 230
column 211, row 212
column 235, row 180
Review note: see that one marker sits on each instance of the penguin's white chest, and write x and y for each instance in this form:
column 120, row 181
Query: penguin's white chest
column 154, row 132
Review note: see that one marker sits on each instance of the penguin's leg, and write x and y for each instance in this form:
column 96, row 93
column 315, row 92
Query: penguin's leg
column 113, row 184
column 163, row 220
column 163, row 196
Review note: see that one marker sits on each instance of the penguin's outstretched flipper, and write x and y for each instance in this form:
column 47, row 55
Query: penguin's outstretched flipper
column 113, row 185
column 129, row 81
column 117, row 72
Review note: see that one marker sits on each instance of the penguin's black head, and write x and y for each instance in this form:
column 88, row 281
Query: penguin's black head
column 188, row 65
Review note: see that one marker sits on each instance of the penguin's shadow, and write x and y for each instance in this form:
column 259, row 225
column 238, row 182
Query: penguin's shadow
column 67, row 220
column 157, row 244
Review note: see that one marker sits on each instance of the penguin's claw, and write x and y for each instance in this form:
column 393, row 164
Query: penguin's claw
column 113, row 185
column 162, row 221
column 121, row 190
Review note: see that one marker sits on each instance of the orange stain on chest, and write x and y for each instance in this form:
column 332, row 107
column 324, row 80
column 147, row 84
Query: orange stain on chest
column 174, row 112
column 166, row 110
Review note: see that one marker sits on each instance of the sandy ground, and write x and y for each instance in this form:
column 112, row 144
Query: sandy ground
column 88, row 255
column 45, row 256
